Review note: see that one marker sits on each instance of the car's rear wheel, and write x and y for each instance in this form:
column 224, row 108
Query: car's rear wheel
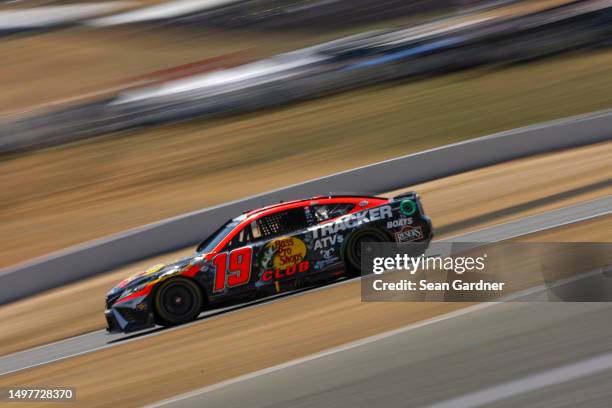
column 177, row 301
column 352, row 251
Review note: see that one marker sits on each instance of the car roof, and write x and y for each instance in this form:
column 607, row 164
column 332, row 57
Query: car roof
column 249, row 216
column 331, row 198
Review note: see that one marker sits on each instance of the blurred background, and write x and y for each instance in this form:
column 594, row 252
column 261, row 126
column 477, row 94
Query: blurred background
column 115, row 114
column 119, row 113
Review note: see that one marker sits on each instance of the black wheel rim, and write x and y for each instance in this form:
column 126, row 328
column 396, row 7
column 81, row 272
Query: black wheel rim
column 178, row 300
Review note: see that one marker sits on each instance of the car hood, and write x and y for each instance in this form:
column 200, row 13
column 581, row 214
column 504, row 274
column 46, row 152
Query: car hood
column 151, row 274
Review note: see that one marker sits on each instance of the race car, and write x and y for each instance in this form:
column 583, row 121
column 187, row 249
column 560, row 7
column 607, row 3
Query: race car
column 267, row 251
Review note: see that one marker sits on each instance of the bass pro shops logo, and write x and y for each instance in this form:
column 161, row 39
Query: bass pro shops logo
column 282, row 258
column 282, row 253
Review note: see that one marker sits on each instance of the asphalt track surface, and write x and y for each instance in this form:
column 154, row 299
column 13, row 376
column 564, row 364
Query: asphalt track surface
column 98, row 340
column 492, row 354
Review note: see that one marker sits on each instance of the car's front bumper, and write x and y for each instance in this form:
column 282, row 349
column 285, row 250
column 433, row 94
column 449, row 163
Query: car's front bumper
column 129, row 316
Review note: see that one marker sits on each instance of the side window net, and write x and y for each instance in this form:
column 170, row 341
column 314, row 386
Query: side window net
column 270, row 225
column 283, row 222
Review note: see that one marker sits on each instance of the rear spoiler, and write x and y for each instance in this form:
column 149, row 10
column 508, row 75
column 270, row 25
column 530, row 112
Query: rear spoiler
column 408, row 194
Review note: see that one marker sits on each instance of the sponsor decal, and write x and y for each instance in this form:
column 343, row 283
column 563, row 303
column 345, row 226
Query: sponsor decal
column 409, row 233
column 326, row 242
column 400, row 222
column 352, row 220
column 282, row 253
column 149, row 271
column 324, row 263
column 289, row 271
column 327, row 253
column 154, row 269
column 408, row 207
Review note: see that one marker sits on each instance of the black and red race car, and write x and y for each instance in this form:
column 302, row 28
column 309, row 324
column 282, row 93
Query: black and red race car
column 266, row 251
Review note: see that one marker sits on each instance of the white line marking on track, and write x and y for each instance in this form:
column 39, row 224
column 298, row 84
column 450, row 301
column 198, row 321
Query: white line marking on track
column 291, row 295
column 215, row 313
column 529, row 383
column 334, row 350
column 371, row 339
column 604, row 212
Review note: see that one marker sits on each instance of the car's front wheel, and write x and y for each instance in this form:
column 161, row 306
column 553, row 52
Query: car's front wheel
column 177, row 301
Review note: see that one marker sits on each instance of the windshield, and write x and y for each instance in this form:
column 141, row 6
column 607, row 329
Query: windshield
column 213, row 240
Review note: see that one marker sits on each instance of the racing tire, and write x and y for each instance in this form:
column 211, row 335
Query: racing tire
column 352, row 249
column 177, row 301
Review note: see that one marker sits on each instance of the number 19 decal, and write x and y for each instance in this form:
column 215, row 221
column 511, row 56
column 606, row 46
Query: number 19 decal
column 233, row 272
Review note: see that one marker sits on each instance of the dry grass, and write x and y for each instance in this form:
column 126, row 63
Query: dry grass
column 66, row 195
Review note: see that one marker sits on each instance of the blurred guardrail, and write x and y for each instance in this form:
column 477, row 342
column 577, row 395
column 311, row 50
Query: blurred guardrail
column 20, row 19
column 324, row 69
column 105, row 254
column 319, row 14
